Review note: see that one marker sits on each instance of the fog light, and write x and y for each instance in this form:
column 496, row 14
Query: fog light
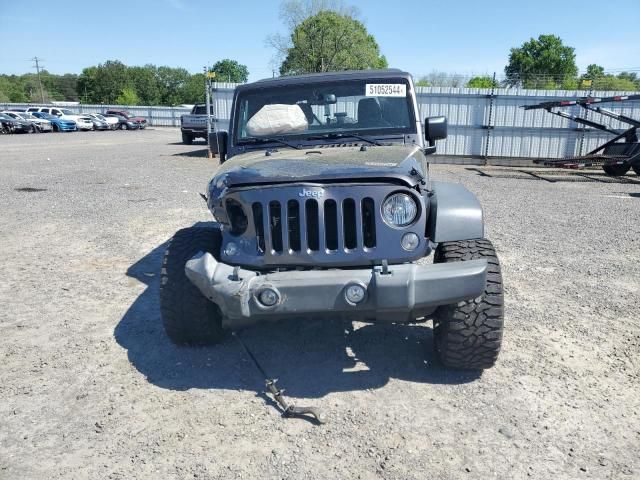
column 410, row 241
column 355, row 293
column 268, row 297
column 231, row 249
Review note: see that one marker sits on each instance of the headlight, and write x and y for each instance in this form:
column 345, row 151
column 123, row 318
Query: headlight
column 399, row 210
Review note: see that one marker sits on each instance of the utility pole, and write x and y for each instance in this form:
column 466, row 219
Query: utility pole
column 207, row 86
column 37, row 67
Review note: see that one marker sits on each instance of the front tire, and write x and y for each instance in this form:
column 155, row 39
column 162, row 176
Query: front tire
column 468, row 334
column 636, row 169
column 187, row 139
column 617, row 170
column 189, row 318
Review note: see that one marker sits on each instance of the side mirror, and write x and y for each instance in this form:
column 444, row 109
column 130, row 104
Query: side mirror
column 218, row 144
column 435, row 128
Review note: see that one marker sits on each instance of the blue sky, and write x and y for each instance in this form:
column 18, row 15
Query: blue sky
column 456, row 36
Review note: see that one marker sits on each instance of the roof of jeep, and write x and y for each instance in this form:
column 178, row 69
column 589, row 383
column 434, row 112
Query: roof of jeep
column 327, row 76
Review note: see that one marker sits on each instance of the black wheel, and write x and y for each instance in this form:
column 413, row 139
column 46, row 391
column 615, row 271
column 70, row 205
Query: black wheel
column 56, row 128
column 188, row 316
column 616, row 170
column 468, row 334
column 32, row 128
column 186, row 138
column 636, row 168
column 123, row 126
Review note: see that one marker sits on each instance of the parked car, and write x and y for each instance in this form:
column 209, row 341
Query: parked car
column 194, row 125
column 112, row 122
column 59, row 124
column 142, row 122
column 42, row 124
column 33, row 128
column 12, row 125
column 124, row 123
column 63, row 113
column 84, row 123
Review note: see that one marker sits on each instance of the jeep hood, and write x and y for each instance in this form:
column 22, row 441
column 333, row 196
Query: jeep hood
column 323, row 163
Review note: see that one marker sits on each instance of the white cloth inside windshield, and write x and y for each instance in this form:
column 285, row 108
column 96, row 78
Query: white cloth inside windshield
column 277, row 118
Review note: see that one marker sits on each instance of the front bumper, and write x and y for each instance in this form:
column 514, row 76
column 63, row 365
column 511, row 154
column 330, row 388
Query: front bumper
column 195, row 131
column 404, row 293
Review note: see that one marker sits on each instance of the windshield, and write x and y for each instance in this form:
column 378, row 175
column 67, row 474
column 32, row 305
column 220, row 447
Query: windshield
column 364, row 107
column 66, row 111
column 98, row 116
column 202, row 110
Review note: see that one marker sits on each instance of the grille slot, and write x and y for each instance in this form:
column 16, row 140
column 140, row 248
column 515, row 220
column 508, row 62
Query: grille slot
column 349, row 224
column 368, row 222
column 293, row 218
column 312, row 224
column 256, row 209
column 275, row 226
column 331, row 224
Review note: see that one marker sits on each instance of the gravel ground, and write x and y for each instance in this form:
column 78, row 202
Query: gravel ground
column 90, row 387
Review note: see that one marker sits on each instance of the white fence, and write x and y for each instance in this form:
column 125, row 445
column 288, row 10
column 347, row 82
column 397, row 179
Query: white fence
column 483, row 123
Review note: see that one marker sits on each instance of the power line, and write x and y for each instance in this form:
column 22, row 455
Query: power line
column 37, row 67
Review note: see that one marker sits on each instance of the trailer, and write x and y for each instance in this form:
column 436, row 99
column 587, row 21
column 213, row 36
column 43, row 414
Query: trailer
column 615, row 156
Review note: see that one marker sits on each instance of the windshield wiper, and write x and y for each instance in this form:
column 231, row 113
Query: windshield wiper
column 255, row 140
column 346, row 135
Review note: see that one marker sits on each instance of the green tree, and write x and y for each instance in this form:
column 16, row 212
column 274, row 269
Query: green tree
column 128, row 96
column 13, row 88
column 172, row 82
column 441, row 79
column 228, row 70
column 193, row 91
column 594, row 71
column 294, row 12
column 540, row 63
column 632, row 77
column 103, row 83
column 595, row 78
column 143, row 80
column 328, row 42
column 67, row 86
column 482, row 82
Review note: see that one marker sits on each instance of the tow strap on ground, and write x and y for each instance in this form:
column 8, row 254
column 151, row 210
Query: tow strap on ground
column 289, row 409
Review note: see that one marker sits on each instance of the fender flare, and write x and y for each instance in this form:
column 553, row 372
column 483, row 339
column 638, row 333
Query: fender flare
column 455, row 214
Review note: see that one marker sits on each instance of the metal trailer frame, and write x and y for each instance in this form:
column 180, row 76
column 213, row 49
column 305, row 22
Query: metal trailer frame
column 617, row 157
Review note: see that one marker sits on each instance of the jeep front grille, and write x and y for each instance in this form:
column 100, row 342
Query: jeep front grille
column 312, row 225
column 349, row 224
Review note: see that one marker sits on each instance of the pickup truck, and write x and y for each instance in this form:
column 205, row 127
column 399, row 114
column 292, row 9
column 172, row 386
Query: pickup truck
column 194, row 124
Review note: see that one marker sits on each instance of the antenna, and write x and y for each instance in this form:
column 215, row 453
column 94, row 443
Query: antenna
column 37, row 67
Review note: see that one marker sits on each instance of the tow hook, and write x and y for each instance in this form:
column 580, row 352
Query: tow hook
column 288, row 409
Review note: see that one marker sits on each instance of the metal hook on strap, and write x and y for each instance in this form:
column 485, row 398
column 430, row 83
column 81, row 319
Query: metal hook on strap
column 288, row 409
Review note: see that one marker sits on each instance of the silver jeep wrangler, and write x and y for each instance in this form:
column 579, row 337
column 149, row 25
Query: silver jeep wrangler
column 323, row 206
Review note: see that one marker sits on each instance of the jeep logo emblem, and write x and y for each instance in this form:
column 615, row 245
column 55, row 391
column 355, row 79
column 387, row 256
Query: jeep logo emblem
column 311, row 193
